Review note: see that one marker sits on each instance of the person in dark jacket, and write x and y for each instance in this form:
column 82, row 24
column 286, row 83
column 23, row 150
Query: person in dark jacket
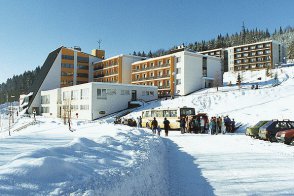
column 154, row 125
column 166, row 126
column 183, row 125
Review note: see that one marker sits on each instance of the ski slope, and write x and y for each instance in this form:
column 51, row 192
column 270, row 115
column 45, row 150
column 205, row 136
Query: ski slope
column 100, row 158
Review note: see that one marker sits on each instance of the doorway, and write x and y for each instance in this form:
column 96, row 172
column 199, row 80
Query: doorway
column 134, row 95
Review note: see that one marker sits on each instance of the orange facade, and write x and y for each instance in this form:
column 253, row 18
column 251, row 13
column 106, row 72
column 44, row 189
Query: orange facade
column 109, row 70
column 68, row 62
column 155, row 72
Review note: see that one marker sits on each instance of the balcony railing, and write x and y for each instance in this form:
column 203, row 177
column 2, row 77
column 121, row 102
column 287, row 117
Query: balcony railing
column 151, row 67
column 164, row 87
column 98, row 68
column 153, row 77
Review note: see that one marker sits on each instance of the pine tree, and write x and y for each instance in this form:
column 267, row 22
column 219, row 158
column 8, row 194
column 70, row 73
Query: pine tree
column 134, row 53
column 150, row 55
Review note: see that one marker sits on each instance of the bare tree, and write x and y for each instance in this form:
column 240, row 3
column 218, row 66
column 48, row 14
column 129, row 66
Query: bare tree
column 67, row 107
column 218, row 80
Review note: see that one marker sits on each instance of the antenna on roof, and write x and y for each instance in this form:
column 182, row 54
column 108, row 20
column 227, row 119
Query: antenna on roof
column 99, row 42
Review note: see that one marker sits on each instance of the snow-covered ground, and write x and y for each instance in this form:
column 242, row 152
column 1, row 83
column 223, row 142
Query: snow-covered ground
column 100, row 158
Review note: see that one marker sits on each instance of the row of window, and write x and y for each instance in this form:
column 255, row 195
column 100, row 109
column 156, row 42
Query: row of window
column 153, row 64
column 67, row 65
column 76, row 94
column 144, row 93
column 267, row 45
column 253, row 53
column 83, row 75
column 83, row 59
column 67, row 73
column 45, row 99
column 75, row 107
column 85, row 67
column 67, row 57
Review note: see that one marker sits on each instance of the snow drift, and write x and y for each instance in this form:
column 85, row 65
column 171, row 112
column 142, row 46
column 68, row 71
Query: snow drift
column 130, row 163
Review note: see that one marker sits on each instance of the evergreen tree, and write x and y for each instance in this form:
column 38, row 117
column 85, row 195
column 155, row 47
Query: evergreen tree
column 134, row 53
column 150, row 55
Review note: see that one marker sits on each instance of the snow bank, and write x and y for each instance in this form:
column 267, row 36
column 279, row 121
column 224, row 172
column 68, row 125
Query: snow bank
column 129, row 163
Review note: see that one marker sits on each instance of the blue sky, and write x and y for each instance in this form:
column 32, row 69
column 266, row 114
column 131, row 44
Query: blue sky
column 30, row 29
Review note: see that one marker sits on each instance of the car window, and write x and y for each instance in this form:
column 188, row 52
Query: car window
column 291, row 125
column 266, row 125
column 283, row 125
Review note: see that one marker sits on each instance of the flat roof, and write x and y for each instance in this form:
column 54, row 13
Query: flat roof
column 105, row 84
column 262, row 42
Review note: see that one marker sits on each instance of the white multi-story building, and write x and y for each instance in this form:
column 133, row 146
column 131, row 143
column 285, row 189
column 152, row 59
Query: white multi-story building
column 179, row 73
column 93, row 100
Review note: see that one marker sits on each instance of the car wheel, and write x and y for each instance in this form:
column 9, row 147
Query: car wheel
column 292, row 142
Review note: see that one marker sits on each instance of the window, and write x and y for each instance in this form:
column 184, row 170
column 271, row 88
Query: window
column 152, row 93
column 204, row 66
column 74, row 107
column 178, row 59
column 67, row 57
column 84, row 107
column 45, row 99
column 67, row 73
column 66, row 95
column 84, row 94
column 111, row 91
column 167, row 61
column 101, row 93
column 84, row 67
column 124, row 92
column 160, row 63
column 67, row 65
column 83, row 75
column 178, row 70
column 83, row 59
column 45, row 110
column 74, row 95
column 178, row 81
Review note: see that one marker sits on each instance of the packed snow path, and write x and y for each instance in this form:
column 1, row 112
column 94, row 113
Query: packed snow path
column 228, row 165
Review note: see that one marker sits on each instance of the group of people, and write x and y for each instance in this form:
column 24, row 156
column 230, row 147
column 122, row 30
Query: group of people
column 156, row 128
column 198, row 124
column 202, row 124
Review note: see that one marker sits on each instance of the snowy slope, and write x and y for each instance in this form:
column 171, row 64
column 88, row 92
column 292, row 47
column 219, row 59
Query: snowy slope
column 96, row 159
column 245, row 105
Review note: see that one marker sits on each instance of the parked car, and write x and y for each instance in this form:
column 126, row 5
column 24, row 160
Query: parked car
column 253, row 131
column 286, row 137
column 269, row 130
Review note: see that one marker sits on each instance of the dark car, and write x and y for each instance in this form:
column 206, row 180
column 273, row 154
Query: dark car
column 269, row 130
column 286, row 137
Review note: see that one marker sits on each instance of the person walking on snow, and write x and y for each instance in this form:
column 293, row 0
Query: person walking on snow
column 202, row 124
column 166, row 126
column 182, row 125
column 154, row 125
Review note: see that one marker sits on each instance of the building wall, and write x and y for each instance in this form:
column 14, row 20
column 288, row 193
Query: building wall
column 97, row 106
column 192, row 72
column 54, row 103
column 52, row 80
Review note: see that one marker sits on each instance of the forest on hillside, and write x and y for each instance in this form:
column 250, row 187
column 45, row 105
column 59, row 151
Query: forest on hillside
column 20, row 84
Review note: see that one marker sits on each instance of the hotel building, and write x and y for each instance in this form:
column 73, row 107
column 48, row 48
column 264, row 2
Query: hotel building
column 116, row 69
column 255, row 56
column 179, row 73
column 63, row 67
